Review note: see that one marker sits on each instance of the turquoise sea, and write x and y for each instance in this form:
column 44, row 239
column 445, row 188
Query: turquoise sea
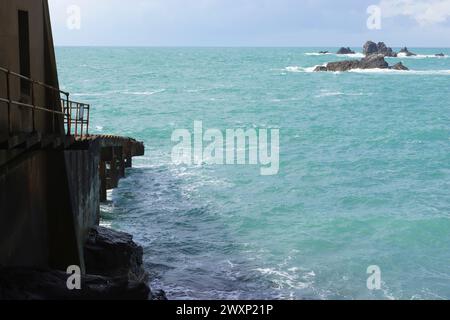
column 364, row 175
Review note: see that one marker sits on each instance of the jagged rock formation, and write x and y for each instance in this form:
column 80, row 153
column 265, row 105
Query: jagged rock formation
column 345, row 51
column 114, row 254
column 375, row 61
column 371, row 48
column 399, row 66
column 323, row 52
column 440, row 55
column 406, row 52
column 114, row 270
column 35, row 284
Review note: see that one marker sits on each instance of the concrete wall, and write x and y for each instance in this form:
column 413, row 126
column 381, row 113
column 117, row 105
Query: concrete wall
column 49, row 200
column 42, row 64
column 23, row 221
column 84, row 186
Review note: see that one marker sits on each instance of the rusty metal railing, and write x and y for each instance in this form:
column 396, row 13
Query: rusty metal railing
column 73, row 113
column 76, row 115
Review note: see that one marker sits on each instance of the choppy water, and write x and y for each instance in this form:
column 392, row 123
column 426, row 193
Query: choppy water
column 364, row 177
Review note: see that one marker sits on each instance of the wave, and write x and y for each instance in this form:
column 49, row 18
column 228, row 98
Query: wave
column 297, row 69
column 420, row 56
column 350, row 55
column 337, row 93
column 144, row 93
column 410, row 72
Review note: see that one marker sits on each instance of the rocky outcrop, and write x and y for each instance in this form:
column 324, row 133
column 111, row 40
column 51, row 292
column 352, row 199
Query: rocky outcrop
column 406, row 52
column 375, row 61
column 36, row 284
column 399, row 66
column 371, row 48
column 345, row 51
column 114, row 254
column 114, row 271
column 324, row 52
column 440, row 55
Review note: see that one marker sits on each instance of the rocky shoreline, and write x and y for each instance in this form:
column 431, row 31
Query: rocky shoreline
column 114, row 271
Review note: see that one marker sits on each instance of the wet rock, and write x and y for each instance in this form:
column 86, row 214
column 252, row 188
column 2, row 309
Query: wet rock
column 371, row 48
column 370, row 62
column 406, row 52
column 112, row 253
column 324, row 52
column 345, row 51
column 36, row 284
column 373, row 62
column 440, row 55
column 159, row 295
column 399, row 66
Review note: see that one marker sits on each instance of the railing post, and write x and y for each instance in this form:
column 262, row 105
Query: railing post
column 33, row 115
column 8, row 92
column 53, row 113
column 69, row 115
column 87, row 121
column 76, row 118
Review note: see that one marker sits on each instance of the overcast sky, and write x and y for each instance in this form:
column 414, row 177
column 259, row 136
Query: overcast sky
column 249, row 22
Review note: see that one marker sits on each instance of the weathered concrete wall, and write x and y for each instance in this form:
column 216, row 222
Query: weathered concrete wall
column 49, row 200
column 84, row 186
column 23, row 212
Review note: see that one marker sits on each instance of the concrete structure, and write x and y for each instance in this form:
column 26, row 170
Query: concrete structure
column 53, row 174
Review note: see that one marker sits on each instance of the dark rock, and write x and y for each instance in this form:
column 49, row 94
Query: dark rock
column 324, row 52
column 399, row 66
column 375, row 61
column 159, row 295
column 345, row 51
column 406, row 52
column 371, row 48
column 36, row 284
column 440, row 55
column 369, row 62
column 114, row 254
column 321, row 68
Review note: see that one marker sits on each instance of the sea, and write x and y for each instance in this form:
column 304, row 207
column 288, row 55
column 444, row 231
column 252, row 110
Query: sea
column 360, row 207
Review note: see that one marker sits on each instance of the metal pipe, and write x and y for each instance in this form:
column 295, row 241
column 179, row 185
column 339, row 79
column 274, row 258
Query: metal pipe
column 8, row 90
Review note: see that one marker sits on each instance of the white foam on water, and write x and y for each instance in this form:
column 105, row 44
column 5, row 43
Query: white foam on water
column 144, row 93
column 297, row 69
column 338, row 93
column 350, row 55
column 402, row 72
column 420, row 56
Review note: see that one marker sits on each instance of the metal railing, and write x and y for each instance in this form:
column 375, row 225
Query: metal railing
column 76, row 115
column 70, row 112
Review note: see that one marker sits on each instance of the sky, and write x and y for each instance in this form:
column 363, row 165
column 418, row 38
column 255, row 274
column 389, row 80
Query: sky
column 292, row 23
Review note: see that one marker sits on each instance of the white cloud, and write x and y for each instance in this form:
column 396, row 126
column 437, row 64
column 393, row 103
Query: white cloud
column 425, row 12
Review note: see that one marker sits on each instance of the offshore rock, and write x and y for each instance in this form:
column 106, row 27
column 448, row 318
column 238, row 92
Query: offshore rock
column 345, row 51
column 399, row 66
column 406, row 52
column 371, row 48
column 370, row 62
column 440, row 55
column 36, row 284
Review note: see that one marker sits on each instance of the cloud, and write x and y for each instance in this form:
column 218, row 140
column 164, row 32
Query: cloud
column 425, row 12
